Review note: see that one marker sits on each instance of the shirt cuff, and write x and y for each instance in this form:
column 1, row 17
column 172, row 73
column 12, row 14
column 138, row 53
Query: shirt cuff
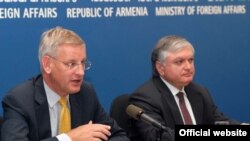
column 63, row 137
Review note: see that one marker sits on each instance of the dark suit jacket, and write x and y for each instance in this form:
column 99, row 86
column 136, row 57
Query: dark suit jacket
column 155, row 98
column 26, row 113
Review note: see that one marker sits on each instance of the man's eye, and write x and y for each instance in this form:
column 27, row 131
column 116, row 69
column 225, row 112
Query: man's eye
column 178, row 62
column 191, row 60
column 71, row 64
column 83, row 62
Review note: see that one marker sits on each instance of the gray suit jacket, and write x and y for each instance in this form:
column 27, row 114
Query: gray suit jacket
column 26, row 113
column 155, row 98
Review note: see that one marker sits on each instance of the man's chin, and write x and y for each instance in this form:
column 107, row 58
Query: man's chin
column 75, row 90
column 187, row 82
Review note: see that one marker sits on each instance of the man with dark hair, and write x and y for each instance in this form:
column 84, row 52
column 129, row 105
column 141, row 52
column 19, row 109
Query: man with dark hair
column 170, row 96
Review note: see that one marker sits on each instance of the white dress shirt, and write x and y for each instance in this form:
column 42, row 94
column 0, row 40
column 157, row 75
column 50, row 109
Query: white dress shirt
column 175, row 91
column 54, row 113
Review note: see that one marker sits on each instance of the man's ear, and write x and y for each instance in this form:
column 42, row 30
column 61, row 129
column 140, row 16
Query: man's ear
column 159, row 67
column 47, row 64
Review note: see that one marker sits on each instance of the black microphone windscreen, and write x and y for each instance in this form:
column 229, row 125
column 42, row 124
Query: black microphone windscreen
column 134, row 111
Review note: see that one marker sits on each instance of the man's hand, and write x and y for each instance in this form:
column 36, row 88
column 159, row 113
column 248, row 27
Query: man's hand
column 90, row 132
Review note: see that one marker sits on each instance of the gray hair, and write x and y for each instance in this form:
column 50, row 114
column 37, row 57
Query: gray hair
column 166, row 45
column 55, row 37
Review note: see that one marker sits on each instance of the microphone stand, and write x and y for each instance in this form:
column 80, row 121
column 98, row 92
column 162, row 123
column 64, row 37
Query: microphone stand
column 158, row 138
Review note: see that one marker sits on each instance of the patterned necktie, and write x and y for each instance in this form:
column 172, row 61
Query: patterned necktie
column 65, row 121
column 185, row 113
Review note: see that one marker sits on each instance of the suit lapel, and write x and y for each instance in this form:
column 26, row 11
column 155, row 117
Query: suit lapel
column 195, row 100
column 42, row 110
column 168, row 101
column 194, row 97
column 76, row 113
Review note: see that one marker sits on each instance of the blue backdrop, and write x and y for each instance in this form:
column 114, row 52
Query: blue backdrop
column 120, row 35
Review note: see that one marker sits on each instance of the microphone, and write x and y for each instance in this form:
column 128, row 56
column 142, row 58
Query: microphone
column 138, row 114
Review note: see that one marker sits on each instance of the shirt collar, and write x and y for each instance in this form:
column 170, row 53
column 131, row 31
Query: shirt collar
column 172, row 88
column 52, row 97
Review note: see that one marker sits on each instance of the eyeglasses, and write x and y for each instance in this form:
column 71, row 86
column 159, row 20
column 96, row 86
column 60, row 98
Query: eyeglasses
column 86, row 65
